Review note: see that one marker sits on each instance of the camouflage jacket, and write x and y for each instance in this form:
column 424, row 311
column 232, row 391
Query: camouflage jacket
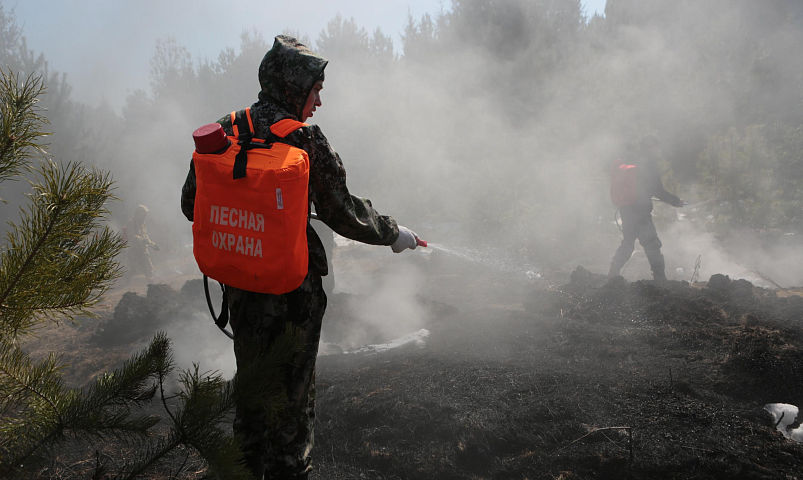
column 649, row 184
column 287, row 74
column 138, row 238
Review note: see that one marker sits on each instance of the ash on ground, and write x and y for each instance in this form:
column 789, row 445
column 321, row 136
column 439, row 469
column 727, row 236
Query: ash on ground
column 568, row 381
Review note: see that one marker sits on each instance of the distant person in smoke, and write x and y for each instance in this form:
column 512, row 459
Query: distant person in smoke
column 139, row 260
column 637, row 217
column 291, row 77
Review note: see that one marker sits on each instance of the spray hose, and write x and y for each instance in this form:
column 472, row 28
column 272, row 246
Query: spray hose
column 418, row 241
column 222, row 320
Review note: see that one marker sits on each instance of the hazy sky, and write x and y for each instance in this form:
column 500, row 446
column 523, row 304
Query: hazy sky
column 105, row 46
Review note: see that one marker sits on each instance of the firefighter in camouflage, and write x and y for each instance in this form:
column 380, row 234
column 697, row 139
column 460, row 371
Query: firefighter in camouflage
column 139, row 260
column 291, row 78
column 637, row 218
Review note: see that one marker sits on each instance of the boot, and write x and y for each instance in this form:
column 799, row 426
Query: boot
column 620, row 258
column 657, row 265
column 616, row 267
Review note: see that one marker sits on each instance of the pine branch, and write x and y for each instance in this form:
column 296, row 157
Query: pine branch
column 181, row 431
column 181, row 467
column 20, row 122
column 65, row 306
column 38, row 386
column 23, row 268
column 32, row 448
column 102, row 411
column 162, row 376
column 205, row 402
column 15, row 364
column 58, row 261
column 28, row 379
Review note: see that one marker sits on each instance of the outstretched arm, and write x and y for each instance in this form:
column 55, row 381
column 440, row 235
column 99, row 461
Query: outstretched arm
column 350, row 216
column 657, row 190
column 667, row 197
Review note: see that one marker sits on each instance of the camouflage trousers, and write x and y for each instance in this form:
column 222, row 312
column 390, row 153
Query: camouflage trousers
column 280, row 449
column 139, row 263
column 638, row 224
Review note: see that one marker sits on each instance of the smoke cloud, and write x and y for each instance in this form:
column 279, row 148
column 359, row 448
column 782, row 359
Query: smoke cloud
column 497, row 123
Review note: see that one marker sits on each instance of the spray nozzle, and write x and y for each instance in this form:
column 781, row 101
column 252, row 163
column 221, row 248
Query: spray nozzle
column 421, row 243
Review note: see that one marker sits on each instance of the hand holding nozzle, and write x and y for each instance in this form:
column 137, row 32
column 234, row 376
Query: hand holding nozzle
column 407, row 239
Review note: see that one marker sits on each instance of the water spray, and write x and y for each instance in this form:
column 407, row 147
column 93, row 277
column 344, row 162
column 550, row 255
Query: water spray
column 474, row 257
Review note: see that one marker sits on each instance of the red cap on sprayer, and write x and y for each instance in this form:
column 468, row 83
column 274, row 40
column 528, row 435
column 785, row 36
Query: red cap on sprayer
column 421, row 243
column 210, row 138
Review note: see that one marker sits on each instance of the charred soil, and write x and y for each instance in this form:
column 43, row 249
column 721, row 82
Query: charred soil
column 596, row 378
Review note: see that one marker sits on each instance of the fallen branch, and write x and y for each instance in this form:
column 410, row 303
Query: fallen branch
column 696, row 270
column 760, row 274
column 630, row 444
column 765, row 277
column 779, row 420
column 697, row 449
column 629, row 429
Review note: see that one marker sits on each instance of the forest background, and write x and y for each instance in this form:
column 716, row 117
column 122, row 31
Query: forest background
column 501, row 118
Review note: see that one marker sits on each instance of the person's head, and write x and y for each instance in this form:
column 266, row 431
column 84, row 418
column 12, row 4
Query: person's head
column 140, row 213
column 650, row 144
column 288, row 75
column 313, row 100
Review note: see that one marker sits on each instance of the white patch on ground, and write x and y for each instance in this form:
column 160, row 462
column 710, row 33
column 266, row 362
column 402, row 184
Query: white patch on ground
column 342, row 241
column 389, row 306
column 327, row 348
column 784, row 415
column 417, row 338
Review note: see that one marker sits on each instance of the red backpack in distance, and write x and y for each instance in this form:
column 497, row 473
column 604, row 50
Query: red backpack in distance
column 623, row 184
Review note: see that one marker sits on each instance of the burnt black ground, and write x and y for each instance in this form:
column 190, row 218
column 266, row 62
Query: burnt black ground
column 500, row 392
column 525, row 380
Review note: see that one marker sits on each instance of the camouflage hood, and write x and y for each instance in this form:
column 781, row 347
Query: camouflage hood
column 287, row 74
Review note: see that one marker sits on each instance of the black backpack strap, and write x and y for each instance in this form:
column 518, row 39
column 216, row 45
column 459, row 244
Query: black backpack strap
column 223, row 319
column 243, row 124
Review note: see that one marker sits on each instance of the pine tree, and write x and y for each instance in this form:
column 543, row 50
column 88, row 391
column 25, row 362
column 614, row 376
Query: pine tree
column 57, row 262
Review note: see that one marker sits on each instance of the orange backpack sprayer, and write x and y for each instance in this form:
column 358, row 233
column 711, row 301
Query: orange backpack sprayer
column 251, row 208
column 623, row 184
